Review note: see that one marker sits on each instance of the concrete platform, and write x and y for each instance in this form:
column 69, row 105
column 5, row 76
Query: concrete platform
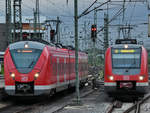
column 1, row 83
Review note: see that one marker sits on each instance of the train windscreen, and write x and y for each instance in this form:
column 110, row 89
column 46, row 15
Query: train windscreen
column 126, row 58
column 25, row 60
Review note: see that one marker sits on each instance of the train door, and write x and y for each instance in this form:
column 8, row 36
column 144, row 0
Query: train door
column 69, row 67
column 65, row 77
column 58, row 71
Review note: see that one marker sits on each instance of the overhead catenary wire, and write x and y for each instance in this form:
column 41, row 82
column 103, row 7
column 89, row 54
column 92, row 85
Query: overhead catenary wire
column 113, row 18
column 87, row 12
column 68, row 15
column 132, row 14
column 89, row 7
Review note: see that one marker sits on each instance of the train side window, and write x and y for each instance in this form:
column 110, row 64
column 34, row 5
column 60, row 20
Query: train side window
column 55, row 68
column 63, row 68
column 66, row 67
column 59, row 68
column 80, row 67
column 74, row 67
column 84, row 66
column 57, row 65
column 70, row 67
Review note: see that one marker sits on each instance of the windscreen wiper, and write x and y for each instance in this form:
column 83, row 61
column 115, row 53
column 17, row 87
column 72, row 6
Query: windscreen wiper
column 31, row 64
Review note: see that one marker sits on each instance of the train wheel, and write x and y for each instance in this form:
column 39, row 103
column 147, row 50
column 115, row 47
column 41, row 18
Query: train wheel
column 52, row 92
column 82, row 84
column 69, row 88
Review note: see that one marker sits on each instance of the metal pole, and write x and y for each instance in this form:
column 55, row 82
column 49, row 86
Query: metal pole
column 35, row 24
column 38, row 19
column 20, row 16
column 105, row 32
column 17, row 20
column 58, row 38
column 85, row 32
column 95, row 22
column 76, row 49
column 8, row 22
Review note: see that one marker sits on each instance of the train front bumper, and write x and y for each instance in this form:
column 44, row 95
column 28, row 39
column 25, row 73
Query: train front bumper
column 139, row 88
column 11, row 90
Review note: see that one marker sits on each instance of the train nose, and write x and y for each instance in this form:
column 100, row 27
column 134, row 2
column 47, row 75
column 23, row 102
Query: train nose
column 24, row 88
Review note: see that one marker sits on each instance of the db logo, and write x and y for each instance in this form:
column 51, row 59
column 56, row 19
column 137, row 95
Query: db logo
column 126, row 78
column 24, row 79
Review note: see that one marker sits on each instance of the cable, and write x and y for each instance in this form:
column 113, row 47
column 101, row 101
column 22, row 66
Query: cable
column 89, row 7
column 132, row 14
column 87, row 12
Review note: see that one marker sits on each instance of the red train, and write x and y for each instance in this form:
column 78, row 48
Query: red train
column 32, row 68
column 126, row 69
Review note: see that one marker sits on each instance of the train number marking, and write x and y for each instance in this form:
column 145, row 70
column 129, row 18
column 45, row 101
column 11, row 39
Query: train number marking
column 126, row 78
column 24, row 79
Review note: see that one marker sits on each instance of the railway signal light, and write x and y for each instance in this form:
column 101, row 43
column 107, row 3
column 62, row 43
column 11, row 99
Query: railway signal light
column 25, row 35
column 52, row 35
column 93, row 32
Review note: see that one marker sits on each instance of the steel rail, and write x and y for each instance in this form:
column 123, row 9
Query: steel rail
column 137, row 105
column 34, row 106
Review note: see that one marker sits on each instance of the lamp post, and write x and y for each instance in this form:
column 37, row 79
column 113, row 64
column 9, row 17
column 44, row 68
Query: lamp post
column 76, row 48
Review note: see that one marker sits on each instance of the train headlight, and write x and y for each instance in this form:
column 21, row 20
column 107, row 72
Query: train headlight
column 26, row 46
column 141, row 77
column 111, row 78
column 12, row 75
column 125, row 46
column 36, row 75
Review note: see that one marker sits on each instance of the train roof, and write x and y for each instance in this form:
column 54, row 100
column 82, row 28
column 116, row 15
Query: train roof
column 36, row 45
column 129, row 45
column 30, row 44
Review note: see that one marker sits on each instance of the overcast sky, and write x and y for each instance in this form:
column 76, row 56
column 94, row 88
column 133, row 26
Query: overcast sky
column 53, row 8
column 135, row 13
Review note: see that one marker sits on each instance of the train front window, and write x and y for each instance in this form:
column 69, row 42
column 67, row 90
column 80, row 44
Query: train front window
column 25, row 59
column 127, row 59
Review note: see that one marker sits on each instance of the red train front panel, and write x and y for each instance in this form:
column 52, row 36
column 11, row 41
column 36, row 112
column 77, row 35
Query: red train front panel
column 126, row 69
column 23, row 63
column 32, row 68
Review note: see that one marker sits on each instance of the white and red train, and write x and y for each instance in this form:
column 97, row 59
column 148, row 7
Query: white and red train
column 32, row 68
column 126, row 69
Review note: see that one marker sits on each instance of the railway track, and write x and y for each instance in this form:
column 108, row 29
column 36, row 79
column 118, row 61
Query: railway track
column 82, row 96
column 134, row 106
column 16, row 108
